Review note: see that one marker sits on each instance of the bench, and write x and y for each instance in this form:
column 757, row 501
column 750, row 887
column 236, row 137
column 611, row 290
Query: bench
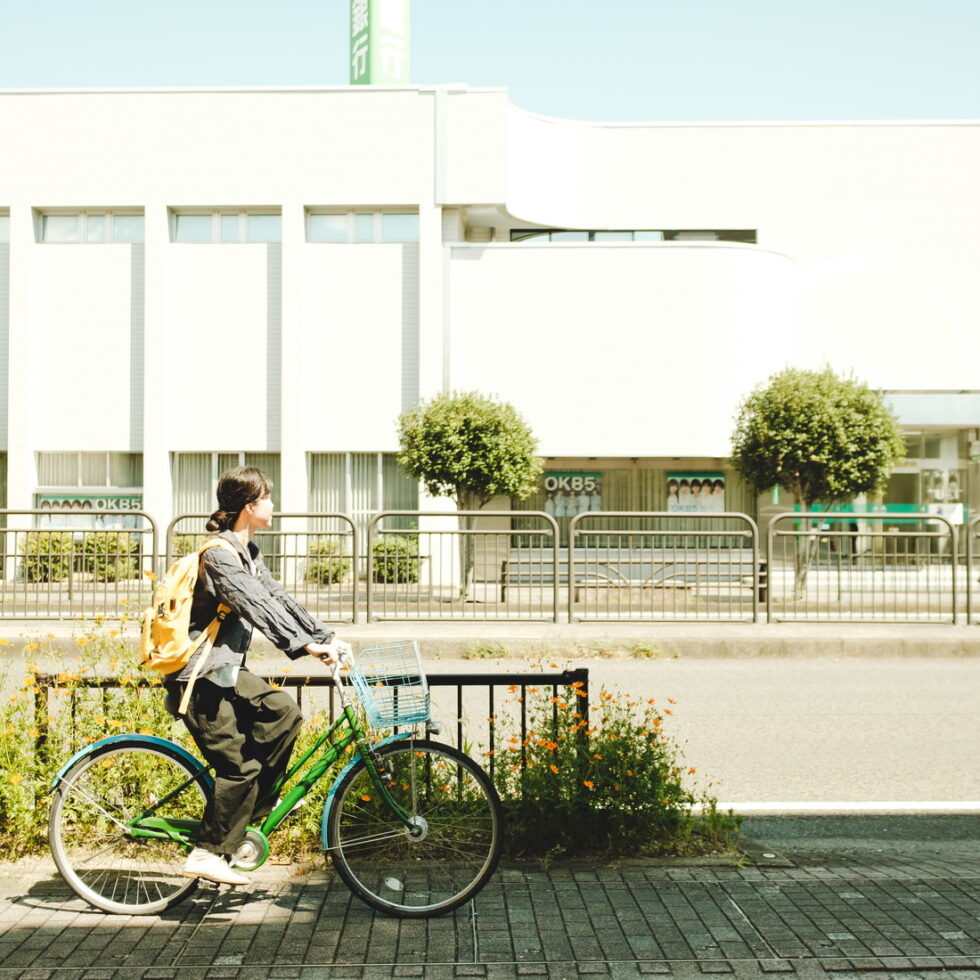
column 648, row 569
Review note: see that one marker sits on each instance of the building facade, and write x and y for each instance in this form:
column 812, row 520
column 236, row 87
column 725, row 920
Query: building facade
column 191, row 279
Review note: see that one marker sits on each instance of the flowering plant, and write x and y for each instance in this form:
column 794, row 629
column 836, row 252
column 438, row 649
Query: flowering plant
column 601, row 776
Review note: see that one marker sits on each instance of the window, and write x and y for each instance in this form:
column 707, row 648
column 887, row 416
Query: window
column 70, row 483
column 362, row 226
column 195, row 476
column 226, row 226
column 90, row 469
column 639, row 235
column 4, row 229
column 360, row 484
column 89, row 227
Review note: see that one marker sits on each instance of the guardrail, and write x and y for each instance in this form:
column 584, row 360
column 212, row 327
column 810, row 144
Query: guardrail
column 80, row 572
column 663, row 566
column 972, row 534
column 511, row 565
column 834, row 567
column 446, row 571
column 315, row 556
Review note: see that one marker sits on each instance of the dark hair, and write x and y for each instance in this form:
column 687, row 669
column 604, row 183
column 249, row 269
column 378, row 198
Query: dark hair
column 236, row 489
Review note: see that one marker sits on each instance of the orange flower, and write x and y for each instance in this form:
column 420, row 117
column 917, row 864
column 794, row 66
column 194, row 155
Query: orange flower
column 691, row 771
column 596, row 756
column 553, row 768
column 365, row 798
column 588, row 784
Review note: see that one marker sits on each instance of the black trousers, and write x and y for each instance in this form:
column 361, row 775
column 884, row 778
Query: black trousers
column 247, row 734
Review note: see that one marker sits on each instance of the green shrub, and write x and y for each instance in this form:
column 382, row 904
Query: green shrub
column 47, row 556
column 111, row 555
column 611, row 785
column 327, row 564
column 395, row 560
column 184, row 544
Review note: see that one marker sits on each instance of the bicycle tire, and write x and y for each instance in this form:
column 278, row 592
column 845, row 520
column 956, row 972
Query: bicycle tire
column 109, row 868
column 460, row 830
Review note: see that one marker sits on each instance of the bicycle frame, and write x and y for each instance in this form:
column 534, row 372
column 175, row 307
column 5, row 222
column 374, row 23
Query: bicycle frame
column 331, row 745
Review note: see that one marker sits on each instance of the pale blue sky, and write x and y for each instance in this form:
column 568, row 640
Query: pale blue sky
column 582, row 59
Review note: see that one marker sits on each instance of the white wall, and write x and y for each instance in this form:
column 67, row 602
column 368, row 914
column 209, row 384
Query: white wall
column 878, row 219
column 79, row 310
column 620, row 350
column 215, row 354
column 352, row 343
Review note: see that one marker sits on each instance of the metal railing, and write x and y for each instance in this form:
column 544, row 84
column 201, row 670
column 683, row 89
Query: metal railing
column 459, row 566
column 835, row 567
column 315, row 556
column 663, row 566
column 85, row 572
column 478, row 723
column 511, row 565
column 972, row 534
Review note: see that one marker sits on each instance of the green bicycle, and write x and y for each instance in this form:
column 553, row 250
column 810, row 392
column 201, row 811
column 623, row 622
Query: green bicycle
column 412, row 826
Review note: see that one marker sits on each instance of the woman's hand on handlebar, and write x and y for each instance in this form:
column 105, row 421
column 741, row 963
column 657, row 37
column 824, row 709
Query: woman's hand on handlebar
column 330, row 653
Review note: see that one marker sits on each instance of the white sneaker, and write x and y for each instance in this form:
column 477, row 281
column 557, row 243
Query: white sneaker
column 212, row 867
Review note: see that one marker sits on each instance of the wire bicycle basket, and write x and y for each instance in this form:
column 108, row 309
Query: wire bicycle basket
column 391, row 684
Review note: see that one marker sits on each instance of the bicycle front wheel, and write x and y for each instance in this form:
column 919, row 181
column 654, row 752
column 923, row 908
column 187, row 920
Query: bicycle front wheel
column 446, row 854
column 93, row 828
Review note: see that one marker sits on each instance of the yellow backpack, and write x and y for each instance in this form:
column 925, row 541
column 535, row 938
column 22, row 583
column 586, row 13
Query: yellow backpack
column 165, row 643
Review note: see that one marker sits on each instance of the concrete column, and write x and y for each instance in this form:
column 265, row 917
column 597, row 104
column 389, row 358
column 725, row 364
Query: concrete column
column 166, row 372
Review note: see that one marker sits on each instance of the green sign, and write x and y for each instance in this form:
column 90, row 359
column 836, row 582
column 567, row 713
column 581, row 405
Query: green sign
column 379, row 42
column 65, row 511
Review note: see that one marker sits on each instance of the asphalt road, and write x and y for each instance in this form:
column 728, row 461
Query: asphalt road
column 808, row 730
column 815, row 729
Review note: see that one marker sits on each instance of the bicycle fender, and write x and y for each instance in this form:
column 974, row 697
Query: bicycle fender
column 151, row 741
column 325, row 819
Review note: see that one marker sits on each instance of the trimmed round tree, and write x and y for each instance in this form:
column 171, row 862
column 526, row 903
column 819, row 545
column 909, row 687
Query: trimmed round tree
column 824, row 438
column 469, row 447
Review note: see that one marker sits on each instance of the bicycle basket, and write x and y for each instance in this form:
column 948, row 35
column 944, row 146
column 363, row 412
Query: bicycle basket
column 391, row 685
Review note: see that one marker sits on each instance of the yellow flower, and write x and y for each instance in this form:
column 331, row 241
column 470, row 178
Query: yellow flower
column 146, row 731
column 4, row 643
column 16, row 777
column 31, row 646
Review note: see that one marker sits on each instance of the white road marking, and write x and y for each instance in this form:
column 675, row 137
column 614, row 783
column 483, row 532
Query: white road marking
column 832, row 806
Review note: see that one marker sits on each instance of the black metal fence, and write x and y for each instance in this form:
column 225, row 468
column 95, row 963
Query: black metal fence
column 472, row 708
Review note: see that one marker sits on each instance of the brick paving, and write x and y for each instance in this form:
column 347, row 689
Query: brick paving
column 900, row 918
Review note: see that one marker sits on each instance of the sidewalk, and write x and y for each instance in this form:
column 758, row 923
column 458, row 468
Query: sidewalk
column 898, row 908
column 485, row 639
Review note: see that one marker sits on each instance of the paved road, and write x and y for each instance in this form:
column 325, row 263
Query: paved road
column 809, row 729
column 896, row 897
column 820, row 729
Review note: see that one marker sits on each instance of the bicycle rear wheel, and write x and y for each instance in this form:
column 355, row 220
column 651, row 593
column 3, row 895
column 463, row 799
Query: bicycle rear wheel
column 90, row 826
column 447, row 854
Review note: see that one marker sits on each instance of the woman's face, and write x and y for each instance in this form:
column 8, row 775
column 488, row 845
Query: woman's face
column 260, row 512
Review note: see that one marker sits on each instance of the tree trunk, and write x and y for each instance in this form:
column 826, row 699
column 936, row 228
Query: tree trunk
column 467, row 549
column 806, row 547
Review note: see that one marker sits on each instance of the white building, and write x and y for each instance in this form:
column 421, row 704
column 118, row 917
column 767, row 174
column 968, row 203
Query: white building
column 189, row 278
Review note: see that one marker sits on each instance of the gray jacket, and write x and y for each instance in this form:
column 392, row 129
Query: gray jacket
column 241, row 581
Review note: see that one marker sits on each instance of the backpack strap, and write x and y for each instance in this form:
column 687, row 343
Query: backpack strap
column 209, row 634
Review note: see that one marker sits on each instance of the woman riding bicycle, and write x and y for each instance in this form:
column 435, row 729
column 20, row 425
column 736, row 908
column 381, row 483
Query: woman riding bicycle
column 243, row 727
